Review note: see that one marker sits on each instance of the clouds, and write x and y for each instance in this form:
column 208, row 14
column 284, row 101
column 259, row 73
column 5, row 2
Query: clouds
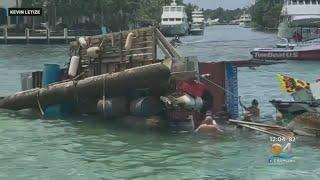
column 227, row 4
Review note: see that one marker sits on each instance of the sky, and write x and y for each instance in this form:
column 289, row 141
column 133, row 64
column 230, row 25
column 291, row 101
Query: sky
column 226, row 4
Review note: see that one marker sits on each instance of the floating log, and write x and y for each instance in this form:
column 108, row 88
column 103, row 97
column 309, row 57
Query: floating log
column 149, row 76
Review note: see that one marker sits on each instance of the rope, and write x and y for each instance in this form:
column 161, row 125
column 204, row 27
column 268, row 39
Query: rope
column 217, row 85
column 76, row 95
column 39, row 104
column 104, row 95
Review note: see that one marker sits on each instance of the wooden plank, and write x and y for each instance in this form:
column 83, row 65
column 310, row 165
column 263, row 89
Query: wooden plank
column 264, row 131
column 167, row 45
column 121, row 48
column 257, row 124
column 164, row 50
column 154, row 44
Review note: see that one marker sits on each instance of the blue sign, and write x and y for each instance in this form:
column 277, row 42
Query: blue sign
column 232, row 90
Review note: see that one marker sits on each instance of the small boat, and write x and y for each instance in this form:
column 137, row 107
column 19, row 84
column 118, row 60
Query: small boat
column 291, row 109
column 174, row 20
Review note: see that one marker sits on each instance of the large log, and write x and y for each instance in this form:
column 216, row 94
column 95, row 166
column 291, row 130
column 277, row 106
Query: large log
column 149, row 76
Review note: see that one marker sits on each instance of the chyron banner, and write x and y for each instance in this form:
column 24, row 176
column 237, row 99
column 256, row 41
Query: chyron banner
column 25, row 11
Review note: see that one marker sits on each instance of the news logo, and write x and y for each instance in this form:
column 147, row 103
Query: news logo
column 24, row 11
column 281, row 155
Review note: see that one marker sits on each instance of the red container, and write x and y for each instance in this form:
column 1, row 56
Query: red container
column 193, row 88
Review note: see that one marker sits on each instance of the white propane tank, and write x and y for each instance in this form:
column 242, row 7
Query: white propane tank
column 198, row 103
column 93, row 52
column 129, row 40
column 74, row 64
column 83, row 42
column 190, row 103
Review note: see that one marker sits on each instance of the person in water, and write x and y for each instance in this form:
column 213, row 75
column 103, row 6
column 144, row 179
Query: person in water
column 176, row 41
column 209, row 126
column 253, row 112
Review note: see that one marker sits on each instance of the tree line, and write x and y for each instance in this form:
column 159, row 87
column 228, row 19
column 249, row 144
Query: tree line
column 119, row 15
column 265, row 13
column 116, row 15
column 224, row 15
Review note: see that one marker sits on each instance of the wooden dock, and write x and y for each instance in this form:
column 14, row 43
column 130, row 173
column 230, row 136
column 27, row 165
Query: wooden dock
column 43, row 37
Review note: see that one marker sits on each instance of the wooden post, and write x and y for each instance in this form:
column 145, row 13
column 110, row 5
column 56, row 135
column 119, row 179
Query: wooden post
column 154, row 44
column 27, row 33
column 48, row 35
column 121, row 47
column 5, row 35
column 65, row 34
column 167, row 45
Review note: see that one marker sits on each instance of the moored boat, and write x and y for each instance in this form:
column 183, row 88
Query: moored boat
column 299, row 20
column 308, row 52
column 174, row 20
column 198, row 25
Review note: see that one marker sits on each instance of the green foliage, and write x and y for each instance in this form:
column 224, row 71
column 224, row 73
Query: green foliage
column 223, row 15
column 265, row 13
column 115, row 14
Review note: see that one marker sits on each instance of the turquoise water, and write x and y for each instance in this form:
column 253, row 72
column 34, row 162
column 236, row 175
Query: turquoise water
column 86, row 148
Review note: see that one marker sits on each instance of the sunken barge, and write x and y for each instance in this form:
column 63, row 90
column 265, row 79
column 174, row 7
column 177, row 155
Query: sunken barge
column 135, row 76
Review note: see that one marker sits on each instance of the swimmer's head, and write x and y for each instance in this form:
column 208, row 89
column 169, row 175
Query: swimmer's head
column 255, row 102
column 276, row 149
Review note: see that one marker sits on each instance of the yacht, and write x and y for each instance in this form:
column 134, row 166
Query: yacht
column 300, row 20
column 245, row 21
column 197, row 26
column 174, row 20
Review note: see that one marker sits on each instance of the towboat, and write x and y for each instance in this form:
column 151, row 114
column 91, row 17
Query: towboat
column 290, row 52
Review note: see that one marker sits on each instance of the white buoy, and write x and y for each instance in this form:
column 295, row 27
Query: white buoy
column 129, row 40
column 93, row 52
column 74, row 64
column 83, row 42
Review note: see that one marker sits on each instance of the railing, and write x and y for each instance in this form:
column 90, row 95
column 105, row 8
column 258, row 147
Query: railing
column 45, row 34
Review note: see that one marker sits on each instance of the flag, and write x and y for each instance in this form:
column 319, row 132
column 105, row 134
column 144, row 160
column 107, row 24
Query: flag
column 290, row 85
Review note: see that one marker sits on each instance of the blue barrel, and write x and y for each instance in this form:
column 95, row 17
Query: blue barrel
column 51, row 74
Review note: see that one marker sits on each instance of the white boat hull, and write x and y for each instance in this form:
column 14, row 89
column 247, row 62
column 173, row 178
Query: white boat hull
column 245, row 24
column 197, row 31
column 176, row 29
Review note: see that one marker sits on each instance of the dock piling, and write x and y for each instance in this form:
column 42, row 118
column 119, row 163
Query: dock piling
column 27, row 33
column 65, row 34
column 5, row 35
column 48, row 35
